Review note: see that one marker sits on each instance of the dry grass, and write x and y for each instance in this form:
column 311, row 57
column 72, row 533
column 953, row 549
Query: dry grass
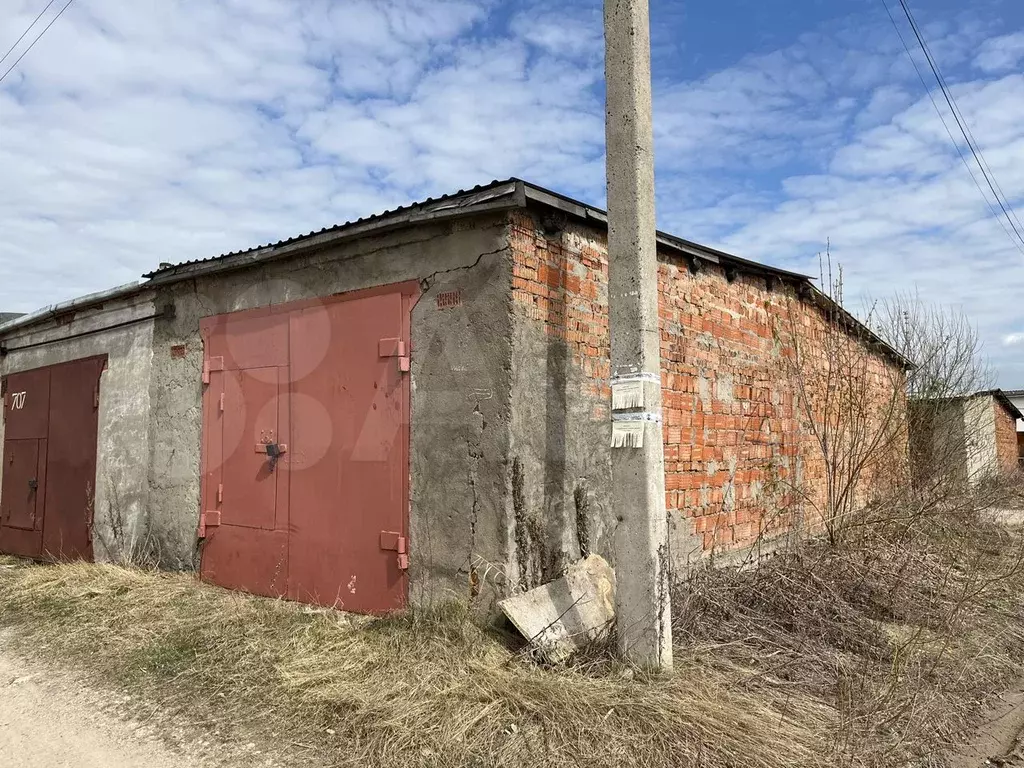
column 872, row 653
column 906, row 628
column 430, row 689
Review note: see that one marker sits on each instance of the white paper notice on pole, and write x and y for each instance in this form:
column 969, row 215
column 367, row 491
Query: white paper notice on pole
column 628, row 434
column 627, row 394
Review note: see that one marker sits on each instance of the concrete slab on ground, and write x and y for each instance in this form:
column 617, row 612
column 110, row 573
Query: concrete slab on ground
column 562, row 616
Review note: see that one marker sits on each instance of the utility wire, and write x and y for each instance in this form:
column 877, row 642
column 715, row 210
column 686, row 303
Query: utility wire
column 949, row 132
column 961, row 120
column 36, row 40
column 1007, row 210
column 27, row 30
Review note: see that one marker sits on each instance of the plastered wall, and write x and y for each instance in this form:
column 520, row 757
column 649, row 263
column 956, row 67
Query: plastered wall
column 461, row 348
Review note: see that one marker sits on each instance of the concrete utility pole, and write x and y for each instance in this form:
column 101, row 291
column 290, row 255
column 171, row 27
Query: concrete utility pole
column 643, row 604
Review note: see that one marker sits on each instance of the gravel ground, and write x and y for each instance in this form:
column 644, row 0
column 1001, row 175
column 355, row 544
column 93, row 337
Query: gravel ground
column 50, row 721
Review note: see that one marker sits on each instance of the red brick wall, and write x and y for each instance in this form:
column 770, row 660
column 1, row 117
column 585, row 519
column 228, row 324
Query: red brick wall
column 1006, row 438
column 735, row 447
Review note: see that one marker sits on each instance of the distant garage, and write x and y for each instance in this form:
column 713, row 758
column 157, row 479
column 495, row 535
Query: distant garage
column 75, row 377
column 49, row 456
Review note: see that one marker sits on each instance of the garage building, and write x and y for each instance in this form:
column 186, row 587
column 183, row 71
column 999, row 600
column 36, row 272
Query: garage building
column 405, row 408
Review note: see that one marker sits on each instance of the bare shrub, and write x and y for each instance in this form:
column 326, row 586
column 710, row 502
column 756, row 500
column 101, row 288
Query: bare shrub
column 904, row 628
column 943, row 420
column 905, row 615
column 849, row 389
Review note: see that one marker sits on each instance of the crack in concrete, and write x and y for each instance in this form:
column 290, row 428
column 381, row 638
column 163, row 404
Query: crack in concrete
column 426, row 283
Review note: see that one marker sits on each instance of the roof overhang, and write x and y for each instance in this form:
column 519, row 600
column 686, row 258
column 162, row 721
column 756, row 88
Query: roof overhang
column 497, row 196
column 63, row 308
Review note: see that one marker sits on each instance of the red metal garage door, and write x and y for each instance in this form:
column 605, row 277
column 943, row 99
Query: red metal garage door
column 305, row 453
column 244, row 495
column 49, row 473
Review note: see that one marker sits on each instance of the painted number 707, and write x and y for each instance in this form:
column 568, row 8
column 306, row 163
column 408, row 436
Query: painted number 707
column 18, row 401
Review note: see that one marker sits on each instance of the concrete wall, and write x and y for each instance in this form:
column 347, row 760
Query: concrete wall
column 461, row 358
column 121, row 519
column 962, row 440
column 736, row 447
column 980, row 438
column 938, row 442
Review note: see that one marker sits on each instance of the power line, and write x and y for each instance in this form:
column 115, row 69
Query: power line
column 27, row 30
column 972, row 145
column 949, row 132
column 961, row 121
column 36, row 40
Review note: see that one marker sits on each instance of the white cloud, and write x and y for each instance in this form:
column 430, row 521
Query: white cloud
column 1001, row 54
column 796, row 164
column 136, row 133
column 147, row 132
column 1013, row 339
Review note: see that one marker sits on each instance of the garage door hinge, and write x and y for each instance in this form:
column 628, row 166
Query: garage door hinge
column 395, row 542
column 211, row 364
column 209, row 519
column 395, row 348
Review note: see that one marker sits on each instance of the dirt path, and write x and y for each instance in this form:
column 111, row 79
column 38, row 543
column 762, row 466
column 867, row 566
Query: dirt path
column 998, row 740
column 48, row 721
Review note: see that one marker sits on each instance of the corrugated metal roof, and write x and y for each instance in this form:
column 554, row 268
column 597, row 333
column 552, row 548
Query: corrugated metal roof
column 430, row 201
column 468, row 199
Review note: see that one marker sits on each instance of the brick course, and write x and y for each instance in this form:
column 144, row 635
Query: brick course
column 735, row 445
column 1006, row 438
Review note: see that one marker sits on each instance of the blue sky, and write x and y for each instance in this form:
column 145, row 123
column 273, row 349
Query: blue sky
column 136, row 133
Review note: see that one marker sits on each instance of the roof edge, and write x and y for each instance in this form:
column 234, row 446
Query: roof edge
column 996, row 394
column 497, row 196
column 82, row 302
column 589, row 213
column 1007, row 403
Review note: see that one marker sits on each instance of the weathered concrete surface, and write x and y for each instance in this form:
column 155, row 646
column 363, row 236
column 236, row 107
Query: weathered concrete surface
column 564, row 615
column 959, row 438
column 461, row 357
column 638, row 471
column 121, row 515
column 980, row 438
column 561, row 464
